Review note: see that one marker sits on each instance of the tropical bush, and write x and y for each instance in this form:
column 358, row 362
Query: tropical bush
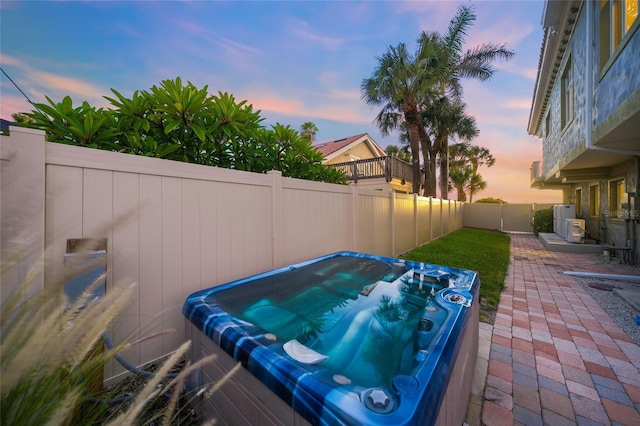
column 543, row 221
column 184, row 123
column 491, row 200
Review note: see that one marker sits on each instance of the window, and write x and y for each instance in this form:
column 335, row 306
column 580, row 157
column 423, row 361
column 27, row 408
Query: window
column 616, row 198
column 578, row 202
column 547, row 124
column 594, row 200
column 616, row 19
column 567, row 94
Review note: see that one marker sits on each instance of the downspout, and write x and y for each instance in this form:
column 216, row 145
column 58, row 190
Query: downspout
column 633, row 214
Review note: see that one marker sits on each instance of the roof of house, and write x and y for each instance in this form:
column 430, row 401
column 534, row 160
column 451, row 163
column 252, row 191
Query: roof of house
column 328, row 148
column 333, row 148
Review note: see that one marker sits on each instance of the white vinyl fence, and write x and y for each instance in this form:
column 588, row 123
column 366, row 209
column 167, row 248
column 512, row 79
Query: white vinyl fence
column 501, row 217
column 175, row 228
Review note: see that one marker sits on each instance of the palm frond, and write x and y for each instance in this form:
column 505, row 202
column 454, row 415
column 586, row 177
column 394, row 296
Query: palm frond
column 457, row 30
column 476, row 62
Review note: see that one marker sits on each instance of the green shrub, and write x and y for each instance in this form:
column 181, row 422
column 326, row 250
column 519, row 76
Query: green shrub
column 543, row 221
column 491, row 200
column 181, row 122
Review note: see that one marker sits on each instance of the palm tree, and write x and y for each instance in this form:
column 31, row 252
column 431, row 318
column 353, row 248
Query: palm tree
column 397, row 85
column 465, row 161
column 308, row 131
column 442, row 119
column 398, row 152
column 475, row 185
column 455, row 65
column 458, row 180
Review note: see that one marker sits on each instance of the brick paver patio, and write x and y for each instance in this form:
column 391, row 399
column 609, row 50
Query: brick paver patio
column 556, row 357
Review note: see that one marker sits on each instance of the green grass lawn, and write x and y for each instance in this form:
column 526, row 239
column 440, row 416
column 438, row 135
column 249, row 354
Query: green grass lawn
column 486, row 252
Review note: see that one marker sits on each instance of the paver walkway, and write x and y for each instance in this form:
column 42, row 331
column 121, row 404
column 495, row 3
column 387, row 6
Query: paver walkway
column 556, row 357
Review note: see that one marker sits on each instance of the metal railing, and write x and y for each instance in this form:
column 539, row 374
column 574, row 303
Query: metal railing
column 380, row 167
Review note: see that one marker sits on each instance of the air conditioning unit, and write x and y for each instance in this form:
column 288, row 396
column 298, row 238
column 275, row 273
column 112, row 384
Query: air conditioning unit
column 575, row 231
column 561, row 212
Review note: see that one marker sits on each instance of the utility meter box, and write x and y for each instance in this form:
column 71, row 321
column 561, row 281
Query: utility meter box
column 96, row 264
column 91, row 265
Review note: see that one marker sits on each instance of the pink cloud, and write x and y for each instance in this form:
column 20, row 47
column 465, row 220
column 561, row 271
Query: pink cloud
column 66, row 84
column 38, row 83
column 226, row 44
column 489, row 106
column 430, row 12
column 302, row 30
column 296, row 108
column 12, row 104
column 487, row 29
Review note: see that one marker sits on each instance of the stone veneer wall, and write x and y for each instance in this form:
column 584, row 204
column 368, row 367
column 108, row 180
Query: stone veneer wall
column 615, row 231
column 561, row 140
column 621, row 80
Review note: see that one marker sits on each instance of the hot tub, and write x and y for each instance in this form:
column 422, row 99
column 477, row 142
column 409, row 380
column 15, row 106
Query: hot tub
column 346, row 338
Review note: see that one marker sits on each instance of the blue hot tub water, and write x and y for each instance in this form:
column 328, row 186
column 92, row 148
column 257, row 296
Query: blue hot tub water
column 345, row 338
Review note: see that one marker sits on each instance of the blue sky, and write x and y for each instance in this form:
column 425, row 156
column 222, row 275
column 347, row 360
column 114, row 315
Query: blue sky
column 296, row 61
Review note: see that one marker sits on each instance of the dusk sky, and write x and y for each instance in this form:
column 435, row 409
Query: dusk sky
column 296, row 61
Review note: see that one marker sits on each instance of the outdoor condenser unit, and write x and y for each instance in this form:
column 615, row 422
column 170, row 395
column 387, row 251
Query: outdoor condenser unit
column 561, row 212
column 575, row 230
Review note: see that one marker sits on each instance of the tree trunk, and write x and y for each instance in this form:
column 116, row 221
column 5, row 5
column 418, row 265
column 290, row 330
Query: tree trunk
column 411, row 118
column 415, row 158
column 432, row 172
column 444, row 168
column 436, row 149
column 425, row 145
column 462, row 196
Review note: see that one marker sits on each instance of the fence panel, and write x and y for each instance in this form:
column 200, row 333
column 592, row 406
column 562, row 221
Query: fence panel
column 446, row 216
column 125, row 241
column 424, row 220
column 485, row 216
column 373, row 223
column 317, row 219
column 436, row 218
column 404, row 224
column 517, row 218
column 149, row 252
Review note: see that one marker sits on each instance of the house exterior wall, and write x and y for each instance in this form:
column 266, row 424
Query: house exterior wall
column 559, row 144
column 598, row 146
column 607, row 227
column 380, row 184
column 620, row 80
column 361, row 151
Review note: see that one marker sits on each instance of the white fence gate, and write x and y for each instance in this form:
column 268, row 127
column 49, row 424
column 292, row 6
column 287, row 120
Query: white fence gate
column 501, row 217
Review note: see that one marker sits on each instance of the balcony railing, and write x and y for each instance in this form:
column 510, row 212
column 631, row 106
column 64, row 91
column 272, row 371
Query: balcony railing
column 380, row 167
